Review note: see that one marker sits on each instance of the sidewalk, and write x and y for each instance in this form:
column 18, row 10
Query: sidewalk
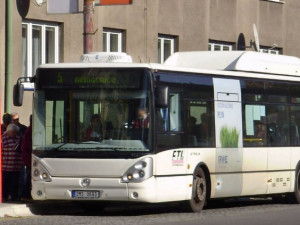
column 38, row 208
column 15, row 210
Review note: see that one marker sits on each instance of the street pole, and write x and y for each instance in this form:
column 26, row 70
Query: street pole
column 8, row 55
column 88, row 30
column 0, row 158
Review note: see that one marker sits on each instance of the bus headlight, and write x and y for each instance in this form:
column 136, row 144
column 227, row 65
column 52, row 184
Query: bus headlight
column 139, row 172
column 39, row 173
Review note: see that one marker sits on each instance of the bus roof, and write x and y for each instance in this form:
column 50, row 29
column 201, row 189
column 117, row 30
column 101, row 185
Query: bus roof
column 205, row 61
column 237, row 61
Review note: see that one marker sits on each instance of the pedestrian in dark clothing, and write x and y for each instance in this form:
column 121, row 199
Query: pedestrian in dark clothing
column 26, row 150
column 6, row 120
column 15, row 119
column 11, row 163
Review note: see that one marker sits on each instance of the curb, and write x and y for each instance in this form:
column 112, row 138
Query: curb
column 15, row 210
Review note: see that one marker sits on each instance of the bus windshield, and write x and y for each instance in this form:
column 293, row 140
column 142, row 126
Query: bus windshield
column 94, row 111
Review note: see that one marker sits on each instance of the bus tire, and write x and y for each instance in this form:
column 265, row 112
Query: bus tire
column 199, row 192
column 295, row 197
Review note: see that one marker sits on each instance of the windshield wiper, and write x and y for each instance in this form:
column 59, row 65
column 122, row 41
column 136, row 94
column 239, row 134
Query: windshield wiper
column 58, row 147
column 116, row 149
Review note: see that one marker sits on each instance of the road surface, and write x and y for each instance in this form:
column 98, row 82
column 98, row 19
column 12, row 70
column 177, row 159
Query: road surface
column 254, row 212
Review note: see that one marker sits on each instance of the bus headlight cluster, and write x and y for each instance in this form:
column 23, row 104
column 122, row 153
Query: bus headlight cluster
column 139, row 172
column 39, row 173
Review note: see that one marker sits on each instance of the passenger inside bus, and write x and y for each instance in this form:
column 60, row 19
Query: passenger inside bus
column 274, row 132
column 141, row 125
column 192, row 126
column 204, row 130
column 261, row 133
column 95, row 131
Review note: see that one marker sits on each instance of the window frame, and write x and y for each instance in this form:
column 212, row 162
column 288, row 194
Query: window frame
column 29, row 46
column 274, row 51
column 162, row 38
column 212, row 45
column 108, row 32
column 276, row 1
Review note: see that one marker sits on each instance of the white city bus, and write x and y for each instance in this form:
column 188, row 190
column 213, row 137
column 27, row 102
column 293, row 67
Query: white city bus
column 205, row 125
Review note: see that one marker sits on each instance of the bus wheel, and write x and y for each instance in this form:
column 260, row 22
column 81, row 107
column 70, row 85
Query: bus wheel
column 199, row 191
column 295, row 197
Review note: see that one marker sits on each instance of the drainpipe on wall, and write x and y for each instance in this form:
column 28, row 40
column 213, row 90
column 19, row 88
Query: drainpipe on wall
column 8, row 55
column 88, row 30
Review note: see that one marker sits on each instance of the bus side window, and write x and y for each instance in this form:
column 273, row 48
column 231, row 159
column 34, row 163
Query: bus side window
column 294, row 115
column 200, row 124
column 189, row 119
column 255, row 125
column 293, row 126
column 266, row 125
column 278, row 125
column 169, row 123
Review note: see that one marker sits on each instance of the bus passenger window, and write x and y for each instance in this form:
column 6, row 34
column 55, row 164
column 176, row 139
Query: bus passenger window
column 266, row 125
column 200, row 125
column 169, row 119
column 189, row 119
column 278, row 125
column 255, row 126
column 294, row 129
column 175, row 113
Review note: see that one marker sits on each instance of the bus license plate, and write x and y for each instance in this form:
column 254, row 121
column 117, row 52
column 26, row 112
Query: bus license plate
column 86, row 194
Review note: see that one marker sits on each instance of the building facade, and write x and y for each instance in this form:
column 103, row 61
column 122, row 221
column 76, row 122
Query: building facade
column 148, row 30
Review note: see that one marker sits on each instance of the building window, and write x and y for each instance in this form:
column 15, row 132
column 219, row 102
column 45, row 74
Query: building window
column 166, row 47
column 270, row 50
column 40, row 46
column 113, row 40
column 220, row 46
column 279, row 1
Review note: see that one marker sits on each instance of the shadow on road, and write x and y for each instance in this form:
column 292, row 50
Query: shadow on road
column 121, row 209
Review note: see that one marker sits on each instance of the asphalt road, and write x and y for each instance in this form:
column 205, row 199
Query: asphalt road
column 254, row 212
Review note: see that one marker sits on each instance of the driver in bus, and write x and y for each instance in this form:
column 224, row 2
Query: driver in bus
column 143, row 119
column 94, row 131
column 140, row 125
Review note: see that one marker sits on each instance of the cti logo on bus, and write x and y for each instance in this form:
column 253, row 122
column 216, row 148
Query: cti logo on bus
column 177, row 158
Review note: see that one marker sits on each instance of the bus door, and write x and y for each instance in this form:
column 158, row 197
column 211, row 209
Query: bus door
column 281, row 133
column 229, row 154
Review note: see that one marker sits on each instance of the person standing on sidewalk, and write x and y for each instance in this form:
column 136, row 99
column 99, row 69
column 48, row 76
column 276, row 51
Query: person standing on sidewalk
column 11, row 163
column 26, row 150
column 6, row 120
column 15, row 119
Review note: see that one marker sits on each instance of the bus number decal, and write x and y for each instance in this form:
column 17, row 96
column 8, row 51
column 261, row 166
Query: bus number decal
column 177, row 158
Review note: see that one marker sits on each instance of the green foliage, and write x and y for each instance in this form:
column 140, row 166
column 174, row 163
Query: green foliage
column 229, row 137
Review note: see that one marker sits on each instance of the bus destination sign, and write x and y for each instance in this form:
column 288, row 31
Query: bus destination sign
column 83, row 78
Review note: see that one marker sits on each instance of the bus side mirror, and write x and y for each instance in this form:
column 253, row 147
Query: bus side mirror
column 18, row 94
column 162, row 96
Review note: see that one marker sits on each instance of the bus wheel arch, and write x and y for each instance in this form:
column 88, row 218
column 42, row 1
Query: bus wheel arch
column 200, row 189
column 204, row 167
column 295, row 196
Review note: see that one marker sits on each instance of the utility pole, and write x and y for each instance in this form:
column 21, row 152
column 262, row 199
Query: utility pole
column 0, row 159
column 88, row 30
column 8, row 55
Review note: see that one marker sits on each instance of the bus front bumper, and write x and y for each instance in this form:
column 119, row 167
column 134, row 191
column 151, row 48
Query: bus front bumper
column 110, row 189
